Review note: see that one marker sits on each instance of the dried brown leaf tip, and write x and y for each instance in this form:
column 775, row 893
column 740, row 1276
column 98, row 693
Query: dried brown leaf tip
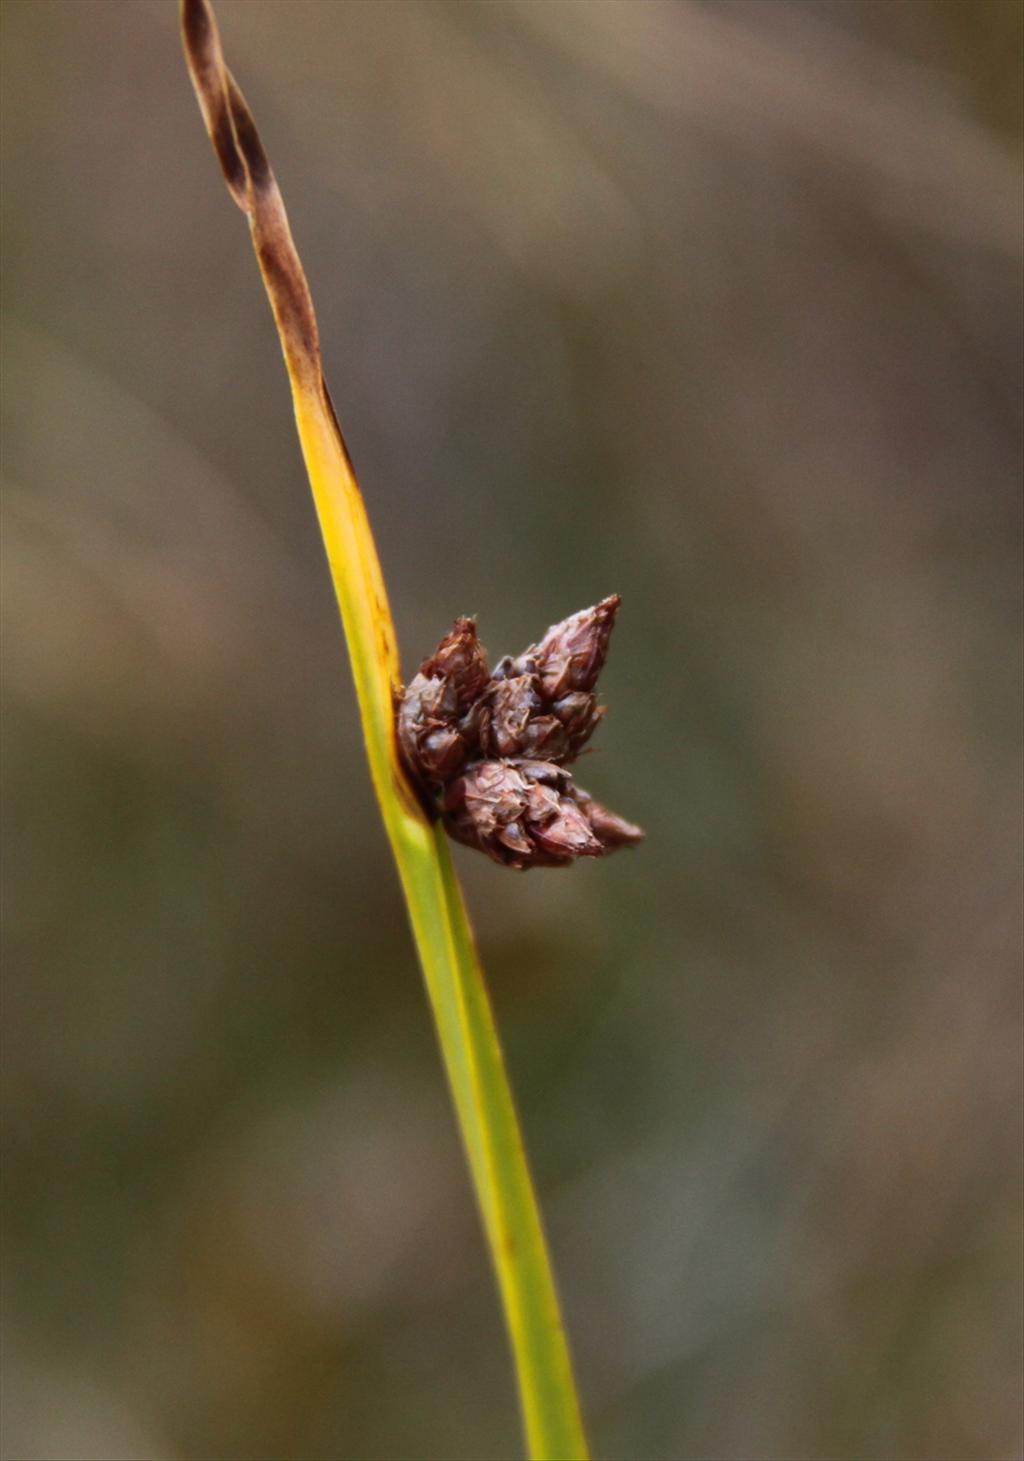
column 489, row 750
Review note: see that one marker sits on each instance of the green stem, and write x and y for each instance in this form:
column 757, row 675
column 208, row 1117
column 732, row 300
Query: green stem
column 455, row 984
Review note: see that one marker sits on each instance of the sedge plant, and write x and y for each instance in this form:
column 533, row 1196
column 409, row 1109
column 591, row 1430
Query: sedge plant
column 444, row 941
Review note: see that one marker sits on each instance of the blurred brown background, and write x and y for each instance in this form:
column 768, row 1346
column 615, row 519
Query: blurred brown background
column 715, row 305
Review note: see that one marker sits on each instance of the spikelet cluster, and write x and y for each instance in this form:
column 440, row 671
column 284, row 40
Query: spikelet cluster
column 489, row 749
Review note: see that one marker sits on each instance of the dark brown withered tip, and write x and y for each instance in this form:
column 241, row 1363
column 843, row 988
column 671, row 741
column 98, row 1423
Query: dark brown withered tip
column 489, row 751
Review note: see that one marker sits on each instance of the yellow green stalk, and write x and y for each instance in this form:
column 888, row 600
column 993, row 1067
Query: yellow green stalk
column 444, row 940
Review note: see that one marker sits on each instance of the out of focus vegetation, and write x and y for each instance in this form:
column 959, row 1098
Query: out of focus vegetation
column 713, row 305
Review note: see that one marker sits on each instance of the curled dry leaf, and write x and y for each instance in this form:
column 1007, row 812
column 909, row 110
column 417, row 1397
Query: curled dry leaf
column 489, row 751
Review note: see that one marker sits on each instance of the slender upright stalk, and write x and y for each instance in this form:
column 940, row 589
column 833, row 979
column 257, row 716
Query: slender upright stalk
column 458, row 995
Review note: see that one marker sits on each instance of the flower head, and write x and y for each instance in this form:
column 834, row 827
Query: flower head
column 490, row 751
